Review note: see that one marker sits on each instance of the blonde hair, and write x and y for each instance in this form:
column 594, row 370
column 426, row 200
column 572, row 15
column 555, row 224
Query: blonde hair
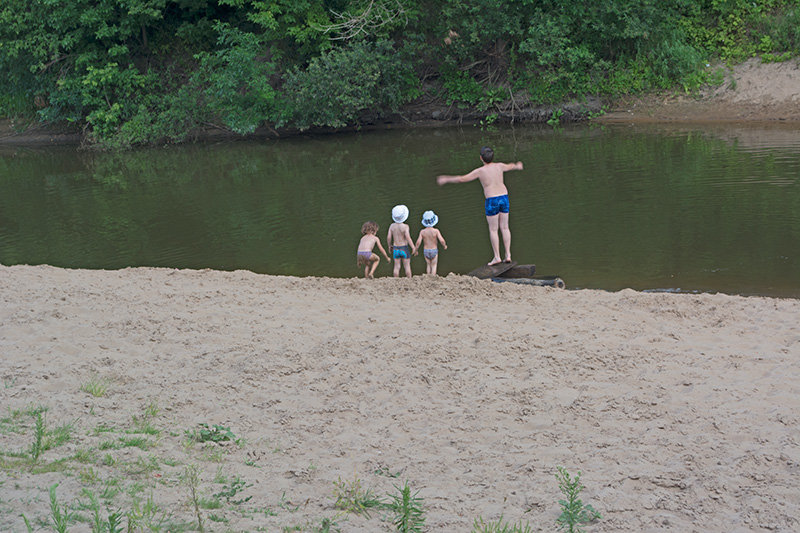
column 369, row 227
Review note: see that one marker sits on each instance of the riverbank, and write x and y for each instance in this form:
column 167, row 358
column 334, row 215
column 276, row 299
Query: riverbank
column 680, row 410
column 752, row 92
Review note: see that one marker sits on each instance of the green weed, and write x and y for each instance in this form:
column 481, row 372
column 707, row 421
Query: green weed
column 38, row 437
column 498, row 526
column 555, row 119
column 136, row 442
column 574, row 512
column 351, row 497
column 58, row 436
column 143, row 423
column 191, row 478
column 215, row 433
column 146, row 515
column 88, row 476
column 60, row 515
column 326, row 525
column 230, row 490
column 209, row 503
column 407, row 510
column 96, row 386
column 84, row 455
column 384, row 471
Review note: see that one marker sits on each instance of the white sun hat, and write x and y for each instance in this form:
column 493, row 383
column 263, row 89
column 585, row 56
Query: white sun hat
column 429, row 219
column 399, row 213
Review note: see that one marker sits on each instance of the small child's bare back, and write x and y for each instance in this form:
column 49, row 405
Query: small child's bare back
column 430, row 238
column 367, row 243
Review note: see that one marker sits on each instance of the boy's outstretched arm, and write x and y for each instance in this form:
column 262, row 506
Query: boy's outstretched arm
column 442, row 179
column 512, row 166
column 419, row 241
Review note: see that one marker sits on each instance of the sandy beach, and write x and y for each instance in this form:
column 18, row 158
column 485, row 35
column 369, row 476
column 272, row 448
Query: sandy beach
column 681, row 411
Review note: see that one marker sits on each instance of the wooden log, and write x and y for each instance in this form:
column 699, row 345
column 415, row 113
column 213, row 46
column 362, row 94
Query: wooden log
column 548, row 281
column 519, row 271
column 486, row 271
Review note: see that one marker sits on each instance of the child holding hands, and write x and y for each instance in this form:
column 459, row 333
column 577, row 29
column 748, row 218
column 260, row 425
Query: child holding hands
column 430, row 237
column 399, row 240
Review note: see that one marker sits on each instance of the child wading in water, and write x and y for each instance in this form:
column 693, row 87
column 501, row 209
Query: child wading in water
column 365, row 256
column 400, row 241
column 430, row 238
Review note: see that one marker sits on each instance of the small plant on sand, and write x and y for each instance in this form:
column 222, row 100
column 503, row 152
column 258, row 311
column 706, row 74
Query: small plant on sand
column 191, row 477
column 215, row 433
column 230, row 490
column 146, row 515
column 38, row 437
column 574, row 512
column 352, row 498
column 326, row 525
column 113, row 524
column 59, row 435
column 407, row 511
column 498, row 526
column 60, row 515
column 96, row 386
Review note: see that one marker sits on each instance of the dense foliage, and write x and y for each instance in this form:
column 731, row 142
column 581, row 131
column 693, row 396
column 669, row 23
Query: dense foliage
column 143, row 71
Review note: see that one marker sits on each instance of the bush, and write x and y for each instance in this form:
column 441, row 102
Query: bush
column 235, row 80
column 339, row 85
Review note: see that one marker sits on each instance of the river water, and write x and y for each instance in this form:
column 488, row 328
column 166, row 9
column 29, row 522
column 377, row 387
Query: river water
column 688, row 208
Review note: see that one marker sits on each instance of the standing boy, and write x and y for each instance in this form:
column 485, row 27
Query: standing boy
column 430, row 238
column 496, row 206
column 399, row 241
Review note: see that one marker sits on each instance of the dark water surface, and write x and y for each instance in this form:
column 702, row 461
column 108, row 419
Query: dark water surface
column 684, row 208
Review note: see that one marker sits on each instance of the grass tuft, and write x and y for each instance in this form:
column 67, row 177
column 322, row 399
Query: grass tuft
column 351, row 497
column 96, row 386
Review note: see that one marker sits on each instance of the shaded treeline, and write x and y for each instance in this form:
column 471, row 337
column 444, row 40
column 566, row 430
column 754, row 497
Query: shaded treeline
column 143, row 71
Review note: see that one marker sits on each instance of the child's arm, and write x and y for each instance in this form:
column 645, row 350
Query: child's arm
column 380, row 247
column 410, row 240
column 389, row 238
column 512, row 166
column 419, row 240
column 441, row 180
column 441, row 239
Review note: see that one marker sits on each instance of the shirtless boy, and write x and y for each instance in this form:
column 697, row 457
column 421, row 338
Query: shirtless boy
column 496, row 205
column 400, row 242
column 430, row 238
column 365, row 256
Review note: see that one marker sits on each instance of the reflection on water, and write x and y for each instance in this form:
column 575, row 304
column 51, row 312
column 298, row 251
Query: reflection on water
column 655, row 207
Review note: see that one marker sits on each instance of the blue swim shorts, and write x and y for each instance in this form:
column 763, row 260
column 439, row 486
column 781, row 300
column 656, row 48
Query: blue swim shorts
column 401, row 252
column 496, row 204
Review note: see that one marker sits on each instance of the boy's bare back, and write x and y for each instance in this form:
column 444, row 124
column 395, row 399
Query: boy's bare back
column 399, row 235
column 430, row 238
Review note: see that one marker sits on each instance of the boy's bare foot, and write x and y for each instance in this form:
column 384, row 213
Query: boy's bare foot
column 495, row 261
column 508, row 260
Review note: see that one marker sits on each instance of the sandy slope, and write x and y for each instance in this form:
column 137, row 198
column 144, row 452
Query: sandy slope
column 680, row 410
column 752, row 92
